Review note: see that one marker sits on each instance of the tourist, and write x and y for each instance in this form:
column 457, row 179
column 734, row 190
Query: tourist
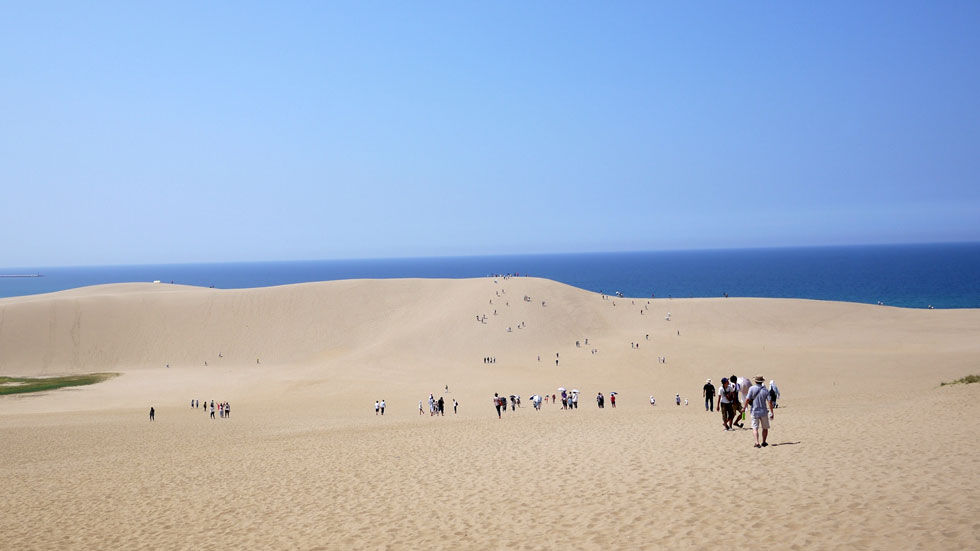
column 442, row 406
column 377, row 407
column 151, row 413
column 773, row 393
column 677, row 398
column 727, row 394
column 382, row 406
column 455, row 405
column 420, row 407
column 496, row 403
column 740, row 390
column 709, row 396
column 758, row 398
column 612, row 399
column 653, row 401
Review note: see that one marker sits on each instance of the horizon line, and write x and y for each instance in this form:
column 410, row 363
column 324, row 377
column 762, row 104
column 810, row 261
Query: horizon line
column 496, row 255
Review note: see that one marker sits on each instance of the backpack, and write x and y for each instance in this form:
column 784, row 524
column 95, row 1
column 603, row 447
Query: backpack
column 732, row 395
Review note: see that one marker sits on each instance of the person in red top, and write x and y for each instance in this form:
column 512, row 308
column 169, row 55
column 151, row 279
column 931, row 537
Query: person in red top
column 612, row 399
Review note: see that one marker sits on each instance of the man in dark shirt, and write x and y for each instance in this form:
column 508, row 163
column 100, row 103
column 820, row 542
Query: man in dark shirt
column 709, row 396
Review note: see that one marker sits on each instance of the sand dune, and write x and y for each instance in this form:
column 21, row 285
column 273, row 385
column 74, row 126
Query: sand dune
column 872, row 452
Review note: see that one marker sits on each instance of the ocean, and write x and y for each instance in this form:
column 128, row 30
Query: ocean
column 912, row 276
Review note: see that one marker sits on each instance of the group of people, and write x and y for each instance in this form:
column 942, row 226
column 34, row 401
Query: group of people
column 379, row 406
column 738, row 398
column 438, row 407
column 223, row 408
column 601, row 400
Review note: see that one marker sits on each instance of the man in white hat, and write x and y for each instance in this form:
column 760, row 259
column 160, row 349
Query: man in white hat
column 709, row 396
column 761, row 404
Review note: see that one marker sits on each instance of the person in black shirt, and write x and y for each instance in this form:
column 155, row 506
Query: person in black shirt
column 709, row 396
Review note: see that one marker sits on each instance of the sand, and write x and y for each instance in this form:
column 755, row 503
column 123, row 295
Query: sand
column 870, row 452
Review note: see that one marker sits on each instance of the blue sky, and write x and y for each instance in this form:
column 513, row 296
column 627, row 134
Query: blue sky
column 140, row 133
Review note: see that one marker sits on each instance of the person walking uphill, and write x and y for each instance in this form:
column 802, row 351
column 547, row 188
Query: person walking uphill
column 496, row 403
column 709, row 396
column 151, row 413
column 761, row 403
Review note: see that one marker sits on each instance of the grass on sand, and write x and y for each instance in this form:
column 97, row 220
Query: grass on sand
column 965, row 380
column 18, row 385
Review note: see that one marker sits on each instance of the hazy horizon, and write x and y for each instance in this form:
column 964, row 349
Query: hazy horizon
column 501, row 255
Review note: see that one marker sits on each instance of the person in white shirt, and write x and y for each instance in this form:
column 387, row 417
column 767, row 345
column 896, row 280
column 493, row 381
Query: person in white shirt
column 377, row 405
column 382, row 406
column 727, row 395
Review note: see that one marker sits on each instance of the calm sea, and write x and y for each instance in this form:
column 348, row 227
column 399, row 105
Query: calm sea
column 916, row 276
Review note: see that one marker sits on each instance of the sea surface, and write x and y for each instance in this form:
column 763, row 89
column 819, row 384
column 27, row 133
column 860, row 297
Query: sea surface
column 914, row 276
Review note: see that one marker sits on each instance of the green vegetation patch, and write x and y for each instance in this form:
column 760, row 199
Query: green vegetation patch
column 20, row 385
column 965, row 380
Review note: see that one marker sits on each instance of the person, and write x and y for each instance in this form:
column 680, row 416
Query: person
column 653, row 401
column 773, row 393
column 677, row 398
column 709, row 396
column 455, row 405
column 151, row 413
column 598, row 400
column 442, row 406
column 758, row 399
column 192, row 403
column 496, row 403
column 612, row 399
column 377, row 407
column 726, row 396
column 737, row 402
column 227, row 410
column 212, row 409
column 382, row 406
column 420, row 407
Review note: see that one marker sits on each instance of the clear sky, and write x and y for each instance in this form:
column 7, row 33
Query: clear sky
column 133, row 132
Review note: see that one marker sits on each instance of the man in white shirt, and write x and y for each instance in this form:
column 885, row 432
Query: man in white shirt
column 727, row 395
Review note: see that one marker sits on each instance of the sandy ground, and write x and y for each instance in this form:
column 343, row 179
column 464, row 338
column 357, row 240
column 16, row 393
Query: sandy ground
column 869, row 451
